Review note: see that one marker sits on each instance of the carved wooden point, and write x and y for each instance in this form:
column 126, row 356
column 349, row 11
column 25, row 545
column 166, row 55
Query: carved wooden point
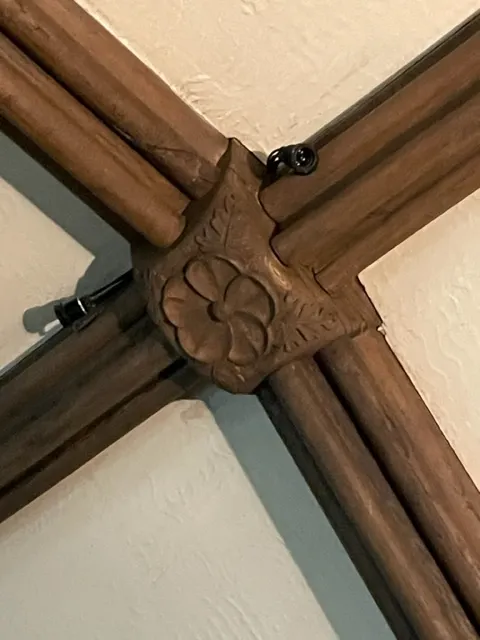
column 221, row 295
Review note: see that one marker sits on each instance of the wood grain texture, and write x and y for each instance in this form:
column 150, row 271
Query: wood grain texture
column 224, row 300
column 75, row 139
column 119, row 88
column 384, row 527
column 89, row 442
column 427, row 205
column 32, row 430
column 62, row 406
column 69, row 181
column 352, row 142
column 392, row 165
column 345, row 529
column 56, row 359
column 418, row 460
column 420, row 135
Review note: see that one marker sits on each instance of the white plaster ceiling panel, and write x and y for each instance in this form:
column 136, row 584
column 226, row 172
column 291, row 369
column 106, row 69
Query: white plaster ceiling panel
column 427, row 292
column 275, row 71
column 49, row 243
column 163, row 536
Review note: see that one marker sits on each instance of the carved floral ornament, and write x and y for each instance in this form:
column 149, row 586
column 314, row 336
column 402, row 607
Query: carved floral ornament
column 218, row 313
column 222, row 297
column 231, row 325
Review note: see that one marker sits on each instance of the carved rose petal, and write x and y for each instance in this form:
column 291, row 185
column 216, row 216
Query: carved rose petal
column 206, row 342
column 182, row 305
column 249, row 339
column 210, row 277
column 249, row 296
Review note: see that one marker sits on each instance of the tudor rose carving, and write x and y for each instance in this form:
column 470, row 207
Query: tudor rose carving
column 219, row 314
column 222, row 297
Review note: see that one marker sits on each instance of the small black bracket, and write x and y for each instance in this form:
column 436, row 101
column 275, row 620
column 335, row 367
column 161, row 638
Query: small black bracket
column 300, row 159
column 77, row 312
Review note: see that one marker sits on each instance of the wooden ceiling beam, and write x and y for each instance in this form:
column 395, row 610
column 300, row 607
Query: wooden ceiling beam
column 370, row 571
column 71, row 454
column 88, row 388
column 120, row 89
column 419, row 462
column 79, row 394
column 97, row 158
column 423, row 208
column 352, row 141
column 368, row 500
column 419, row 140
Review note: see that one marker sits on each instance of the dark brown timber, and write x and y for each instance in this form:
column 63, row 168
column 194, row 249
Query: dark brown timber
column 92, row 440
column 414, row 453
column 370, row 450
column 65, row 178
column 74, row 138
column 119, row 88
column 406, row 220
column 366, row 497
column 84, row 392
column 380, row 168
column 370, row 572
column 357, row 136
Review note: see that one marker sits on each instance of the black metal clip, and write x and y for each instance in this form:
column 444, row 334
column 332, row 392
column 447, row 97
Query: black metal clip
column 300, row 159
column 78, row 312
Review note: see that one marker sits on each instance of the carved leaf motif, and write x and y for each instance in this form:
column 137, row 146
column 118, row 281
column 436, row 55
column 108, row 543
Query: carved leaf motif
column 221, row 216
column 307, row 322
column 216, row 229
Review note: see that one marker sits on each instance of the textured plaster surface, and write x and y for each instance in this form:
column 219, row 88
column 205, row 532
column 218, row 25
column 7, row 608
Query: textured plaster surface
column 427, row 291
column 179, row 531
column 196, row 526
column 51, row 246
column 275, row 71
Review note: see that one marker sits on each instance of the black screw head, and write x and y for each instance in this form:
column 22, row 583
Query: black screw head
column 301, row 159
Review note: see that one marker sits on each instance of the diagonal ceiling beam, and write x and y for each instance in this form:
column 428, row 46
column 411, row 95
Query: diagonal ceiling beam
column 133, row 354
column 79, row 393
column 376, row 240
column 384, row 176
column 402, row 433
column 119, row 88
column 357, row 481
column 370, row 571
column 352, row 142
column 74, row 138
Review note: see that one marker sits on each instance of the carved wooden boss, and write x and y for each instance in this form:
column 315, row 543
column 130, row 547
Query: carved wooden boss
column 221, row 295
column 247, row 279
